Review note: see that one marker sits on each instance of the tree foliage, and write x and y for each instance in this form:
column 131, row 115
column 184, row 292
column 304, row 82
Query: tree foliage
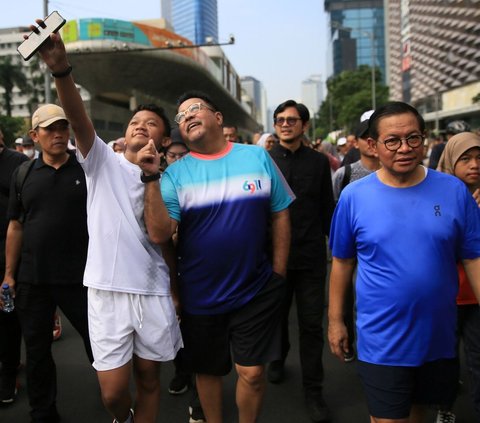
column 12, row 127
column 349, row 95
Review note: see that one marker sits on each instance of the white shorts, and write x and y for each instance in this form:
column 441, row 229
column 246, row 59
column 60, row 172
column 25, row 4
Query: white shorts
column 122, row 324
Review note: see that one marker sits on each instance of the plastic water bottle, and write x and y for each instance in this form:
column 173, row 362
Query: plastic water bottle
column 8, row 305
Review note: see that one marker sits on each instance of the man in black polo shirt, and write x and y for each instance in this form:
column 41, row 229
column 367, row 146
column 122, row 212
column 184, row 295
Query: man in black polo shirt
column 46, row 251
column 308, row 174
column 9, row 325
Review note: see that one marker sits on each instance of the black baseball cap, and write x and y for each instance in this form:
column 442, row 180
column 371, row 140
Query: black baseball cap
column 362, row 130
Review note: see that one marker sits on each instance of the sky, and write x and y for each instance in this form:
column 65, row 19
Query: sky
column 279, row 42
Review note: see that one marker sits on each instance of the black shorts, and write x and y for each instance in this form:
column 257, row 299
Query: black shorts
column 252, row 333
column 392, row 390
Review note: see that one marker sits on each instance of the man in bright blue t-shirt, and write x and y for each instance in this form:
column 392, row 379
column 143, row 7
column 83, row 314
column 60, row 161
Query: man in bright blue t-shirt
column 407, row 226
column 222, row 197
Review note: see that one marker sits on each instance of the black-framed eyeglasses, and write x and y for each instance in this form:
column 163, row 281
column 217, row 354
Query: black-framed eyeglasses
column 394, row 143
column 192, row 110
column 172, row 155
column 290, row 121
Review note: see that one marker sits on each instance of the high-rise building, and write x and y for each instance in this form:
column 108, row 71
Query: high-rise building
column 434, row 58
column 196, row 20
column 312, row 93
column 10, row 39
column 258, row 96
column 358, row 36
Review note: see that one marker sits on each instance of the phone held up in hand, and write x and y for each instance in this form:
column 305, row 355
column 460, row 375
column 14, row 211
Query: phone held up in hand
column 30, row 46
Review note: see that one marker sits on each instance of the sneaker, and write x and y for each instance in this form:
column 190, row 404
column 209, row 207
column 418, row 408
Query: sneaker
column 180, row 384
column 445, row 417
column 276, row 372
column 348, row 357
column 130, row 418
column 8, row 390
column 195, row 411
column 57, row 327
column 196, row 414
column 316, row 408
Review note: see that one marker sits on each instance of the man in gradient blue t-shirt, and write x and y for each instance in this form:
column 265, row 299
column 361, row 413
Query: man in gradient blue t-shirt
column 223, row 197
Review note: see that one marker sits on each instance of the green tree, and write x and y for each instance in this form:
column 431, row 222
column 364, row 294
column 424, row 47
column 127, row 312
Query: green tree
column 349, row 95
column 12, row 127
column 11, row 76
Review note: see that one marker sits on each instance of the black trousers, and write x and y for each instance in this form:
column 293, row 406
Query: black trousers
column 36, row 306
column 10, row 345
column 309, row 289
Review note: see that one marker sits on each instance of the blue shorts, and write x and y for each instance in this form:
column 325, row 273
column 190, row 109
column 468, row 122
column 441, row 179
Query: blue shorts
column 392, row 390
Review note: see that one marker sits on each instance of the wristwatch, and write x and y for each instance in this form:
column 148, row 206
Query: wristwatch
column 150, row 178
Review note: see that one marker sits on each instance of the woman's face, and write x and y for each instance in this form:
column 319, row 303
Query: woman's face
column 269, row 142
column 467, row 167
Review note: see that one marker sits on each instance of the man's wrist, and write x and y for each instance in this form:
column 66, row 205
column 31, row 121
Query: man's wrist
column 150, row 178
column 62, row 74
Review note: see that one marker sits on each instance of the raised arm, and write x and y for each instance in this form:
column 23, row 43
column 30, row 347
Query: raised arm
column 54, row 55
column 160, row 227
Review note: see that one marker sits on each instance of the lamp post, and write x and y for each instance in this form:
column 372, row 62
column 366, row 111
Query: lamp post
column 46, row 75
column 370, row 35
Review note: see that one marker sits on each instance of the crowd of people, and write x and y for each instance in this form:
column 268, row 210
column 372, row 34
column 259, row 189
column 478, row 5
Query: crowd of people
column 187, row 244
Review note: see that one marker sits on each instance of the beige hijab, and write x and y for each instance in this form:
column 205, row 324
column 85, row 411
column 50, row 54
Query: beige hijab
column 455, row 147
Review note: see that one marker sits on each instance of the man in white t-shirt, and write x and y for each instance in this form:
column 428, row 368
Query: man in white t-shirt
column 132, row 319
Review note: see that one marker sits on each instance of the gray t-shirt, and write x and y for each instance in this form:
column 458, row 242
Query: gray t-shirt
column 358, row 172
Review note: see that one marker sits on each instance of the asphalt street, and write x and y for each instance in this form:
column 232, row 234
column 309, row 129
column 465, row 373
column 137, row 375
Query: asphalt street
column 79, row 396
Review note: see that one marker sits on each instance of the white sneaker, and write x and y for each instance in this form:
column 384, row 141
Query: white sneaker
column 445, row 417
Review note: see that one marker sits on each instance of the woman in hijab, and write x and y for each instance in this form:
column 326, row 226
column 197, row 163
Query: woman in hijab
column 267, row 141
column 461, row 158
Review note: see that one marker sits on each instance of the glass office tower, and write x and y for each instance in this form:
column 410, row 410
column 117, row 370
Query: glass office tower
column 196, row 20
column 358, row 33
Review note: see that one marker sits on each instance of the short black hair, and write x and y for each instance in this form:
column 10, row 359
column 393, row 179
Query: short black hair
column 389, row 109
column 159, row 112
column 301, row 109
column 228, row 125
column 196, row 94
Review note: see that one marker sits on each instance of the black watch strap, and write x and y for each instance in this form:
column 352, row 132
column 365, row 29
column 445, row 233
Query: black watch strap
column 63, row 74
column 150, row 178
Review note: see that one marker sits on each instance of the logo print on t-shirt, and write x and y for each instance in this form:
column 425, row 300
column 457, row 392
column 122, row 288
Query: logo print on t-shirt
column 437, row 210
column 253, row 186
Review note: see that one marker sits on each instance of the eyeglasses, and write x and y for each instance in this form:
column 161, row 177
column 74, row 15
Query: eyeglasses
column 413, row 141
column 177, row 156
column 192, row 110
column 290, row 121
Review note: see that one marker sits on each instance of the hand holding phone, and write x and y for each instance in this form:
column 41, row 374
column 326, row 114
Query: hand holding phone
column 30, row 46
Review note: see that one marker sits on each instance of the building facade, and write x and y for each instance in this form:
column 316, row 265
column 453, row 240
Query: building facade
column 10, row 39
column 196, row 20
column 256, row 93
column 312, row 93
column 358, row 35
column 433, row 51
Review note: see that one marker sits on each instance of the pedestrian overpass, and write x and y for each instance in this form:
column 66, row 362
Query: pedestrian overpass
column 122, row 64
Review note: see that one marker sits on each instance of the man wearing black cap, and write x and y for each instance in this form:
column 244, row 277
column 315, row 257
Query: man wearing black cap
column 367, row 163
column 28, row 148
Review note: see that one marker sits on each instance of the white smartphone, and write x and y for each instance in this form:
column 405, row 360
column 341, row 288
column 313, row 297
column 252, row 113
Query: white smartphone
column 31, row 45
